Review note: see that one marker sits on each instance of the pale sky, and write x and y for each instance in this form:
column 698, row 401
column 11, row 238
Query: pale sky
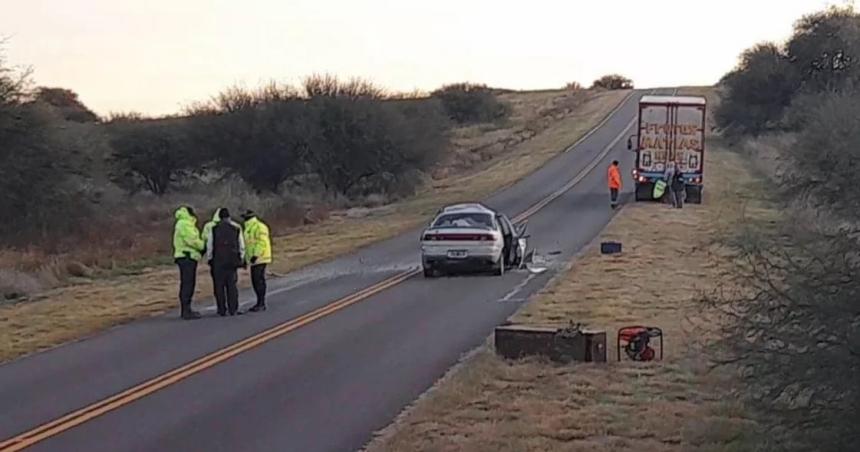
column 157, row 56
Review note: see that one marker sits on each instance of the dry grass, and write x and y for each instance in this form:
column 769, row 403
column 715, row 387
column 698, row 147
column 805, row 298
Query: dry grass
column 531, row 114
column 92, row 305
column 669, row 259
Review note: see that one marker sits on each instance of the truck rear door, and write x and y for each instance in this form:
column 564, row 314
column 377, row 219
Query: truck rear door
column 689, row 138
column 654, row 142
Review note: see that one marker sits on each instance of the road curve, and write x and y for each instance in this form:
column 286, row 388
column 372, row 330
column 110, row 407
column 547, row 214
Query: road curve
column 344, row 346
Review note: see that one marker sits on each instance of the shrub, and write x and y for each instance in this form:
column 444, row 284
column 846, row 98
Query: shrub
column 34, row 175
column 612, row 82
column 13, row 84
column 352, row 138
column 821, row 56
column 364, row 145
column 574, row 86
column 152, row 155
column 756, row 93
column 67, row 103
column 827, row 154
column 263, row 144
column 259, row 135
column 331, row 86
column 426, row 127
column 824, row 50
column 467, row 103
column 123, row 116
column 794, row 335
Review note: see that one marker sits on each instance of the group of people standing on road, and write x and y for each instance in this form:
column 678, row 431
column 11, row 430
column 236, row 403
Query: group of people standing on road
column 226, row 246
column 673, row 178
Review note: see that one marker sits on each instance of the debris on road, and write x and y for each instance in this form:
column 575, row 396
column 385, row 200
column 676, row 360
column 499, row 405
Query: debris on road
column 535, row 263
column 610, row 247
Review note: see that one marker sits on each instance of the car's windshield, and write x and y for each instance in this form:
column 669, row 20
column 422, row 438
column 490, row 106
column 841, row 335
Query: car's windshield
column 464, row 220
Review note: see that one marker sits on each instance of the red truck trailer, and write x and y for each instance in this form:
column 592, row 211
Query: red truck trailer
column 671, row 129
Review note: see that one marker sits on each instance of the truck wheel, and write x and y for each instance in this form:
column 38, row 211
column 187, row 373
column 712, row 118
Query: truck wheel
column 643, row 192
column 694, row 194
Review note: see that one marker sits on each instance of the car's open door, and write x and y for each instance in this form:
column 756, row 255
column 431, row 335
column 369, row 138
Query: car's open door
column 521, row 241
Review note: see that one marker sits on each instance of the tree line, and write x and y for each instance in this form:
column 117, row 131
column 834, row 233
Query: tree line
column 333, row 137
column 351, row 136
column 795, row 331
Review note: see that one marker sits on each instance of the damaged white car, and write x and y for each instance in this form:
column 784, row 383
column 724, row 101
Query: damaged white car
column 472, row 237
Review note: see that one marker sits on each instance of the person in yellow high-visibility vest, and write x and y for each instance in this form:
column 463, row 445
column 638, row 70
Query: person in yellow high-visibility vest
column 187, row 251
column 258, row 251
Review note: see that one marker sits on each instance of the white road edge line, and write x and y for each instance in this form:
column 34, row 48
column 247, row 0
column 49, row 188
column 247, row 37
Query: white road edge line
column 517, row 289
column 602, row 123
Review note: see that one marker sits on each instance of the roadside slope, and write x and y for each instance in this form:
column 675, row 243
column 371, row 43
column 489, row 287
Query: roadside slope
column 66, row 314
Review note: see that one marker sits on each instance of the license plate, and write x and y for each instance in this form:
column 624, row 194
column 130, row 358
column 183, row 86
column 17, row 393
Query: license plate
column 457, row 254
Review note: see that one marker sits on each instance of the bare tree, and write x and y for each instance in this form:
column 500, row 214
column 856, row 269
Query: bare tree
column 14, row 83
column 793, row 329
column 328, row 85
column 150, row 155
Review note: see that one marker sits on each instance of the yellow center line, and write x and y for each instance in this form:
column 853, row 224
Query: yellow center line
column 80, row 416
column 585, row 171
column 577, row 179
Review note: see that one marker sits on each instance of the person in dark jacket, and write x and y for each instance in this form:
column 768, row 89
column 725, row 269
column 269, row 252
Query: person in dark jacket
column 678, row 187
column 204, row 234
column 225, row 251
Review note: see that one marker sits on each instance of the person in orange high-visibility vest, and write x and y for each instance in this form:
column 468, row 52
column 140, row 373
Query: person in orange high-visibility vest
column 614, row 180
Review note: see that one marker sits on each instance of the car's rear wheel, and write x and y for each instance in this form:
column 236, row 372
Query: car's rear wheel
column 429, row 272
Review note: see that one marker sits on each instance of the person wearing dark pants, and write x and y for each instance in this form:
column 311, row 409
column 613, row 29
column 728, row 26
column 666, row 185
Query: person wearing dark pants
column 206, row 232
column 258, row 281
column 187, row 285
column 259, row 251
column 669, row 178
column 678, row 189
column 225, row 251
column 226, row 290
column 187, row 251
column 613, row 176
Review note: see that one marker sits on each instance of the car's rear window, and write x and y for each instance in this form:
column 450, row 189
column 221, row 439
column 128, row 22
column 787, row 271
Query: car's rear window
column 464, row 220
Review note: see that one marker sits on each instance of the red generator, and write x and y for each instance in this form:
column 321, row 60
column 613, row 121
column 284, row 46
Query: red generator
column 636, row 342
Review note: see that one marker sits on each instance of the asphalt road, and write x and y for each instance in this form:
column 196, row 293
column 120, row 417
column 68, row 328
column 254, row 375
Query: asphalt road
column 328, row 383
